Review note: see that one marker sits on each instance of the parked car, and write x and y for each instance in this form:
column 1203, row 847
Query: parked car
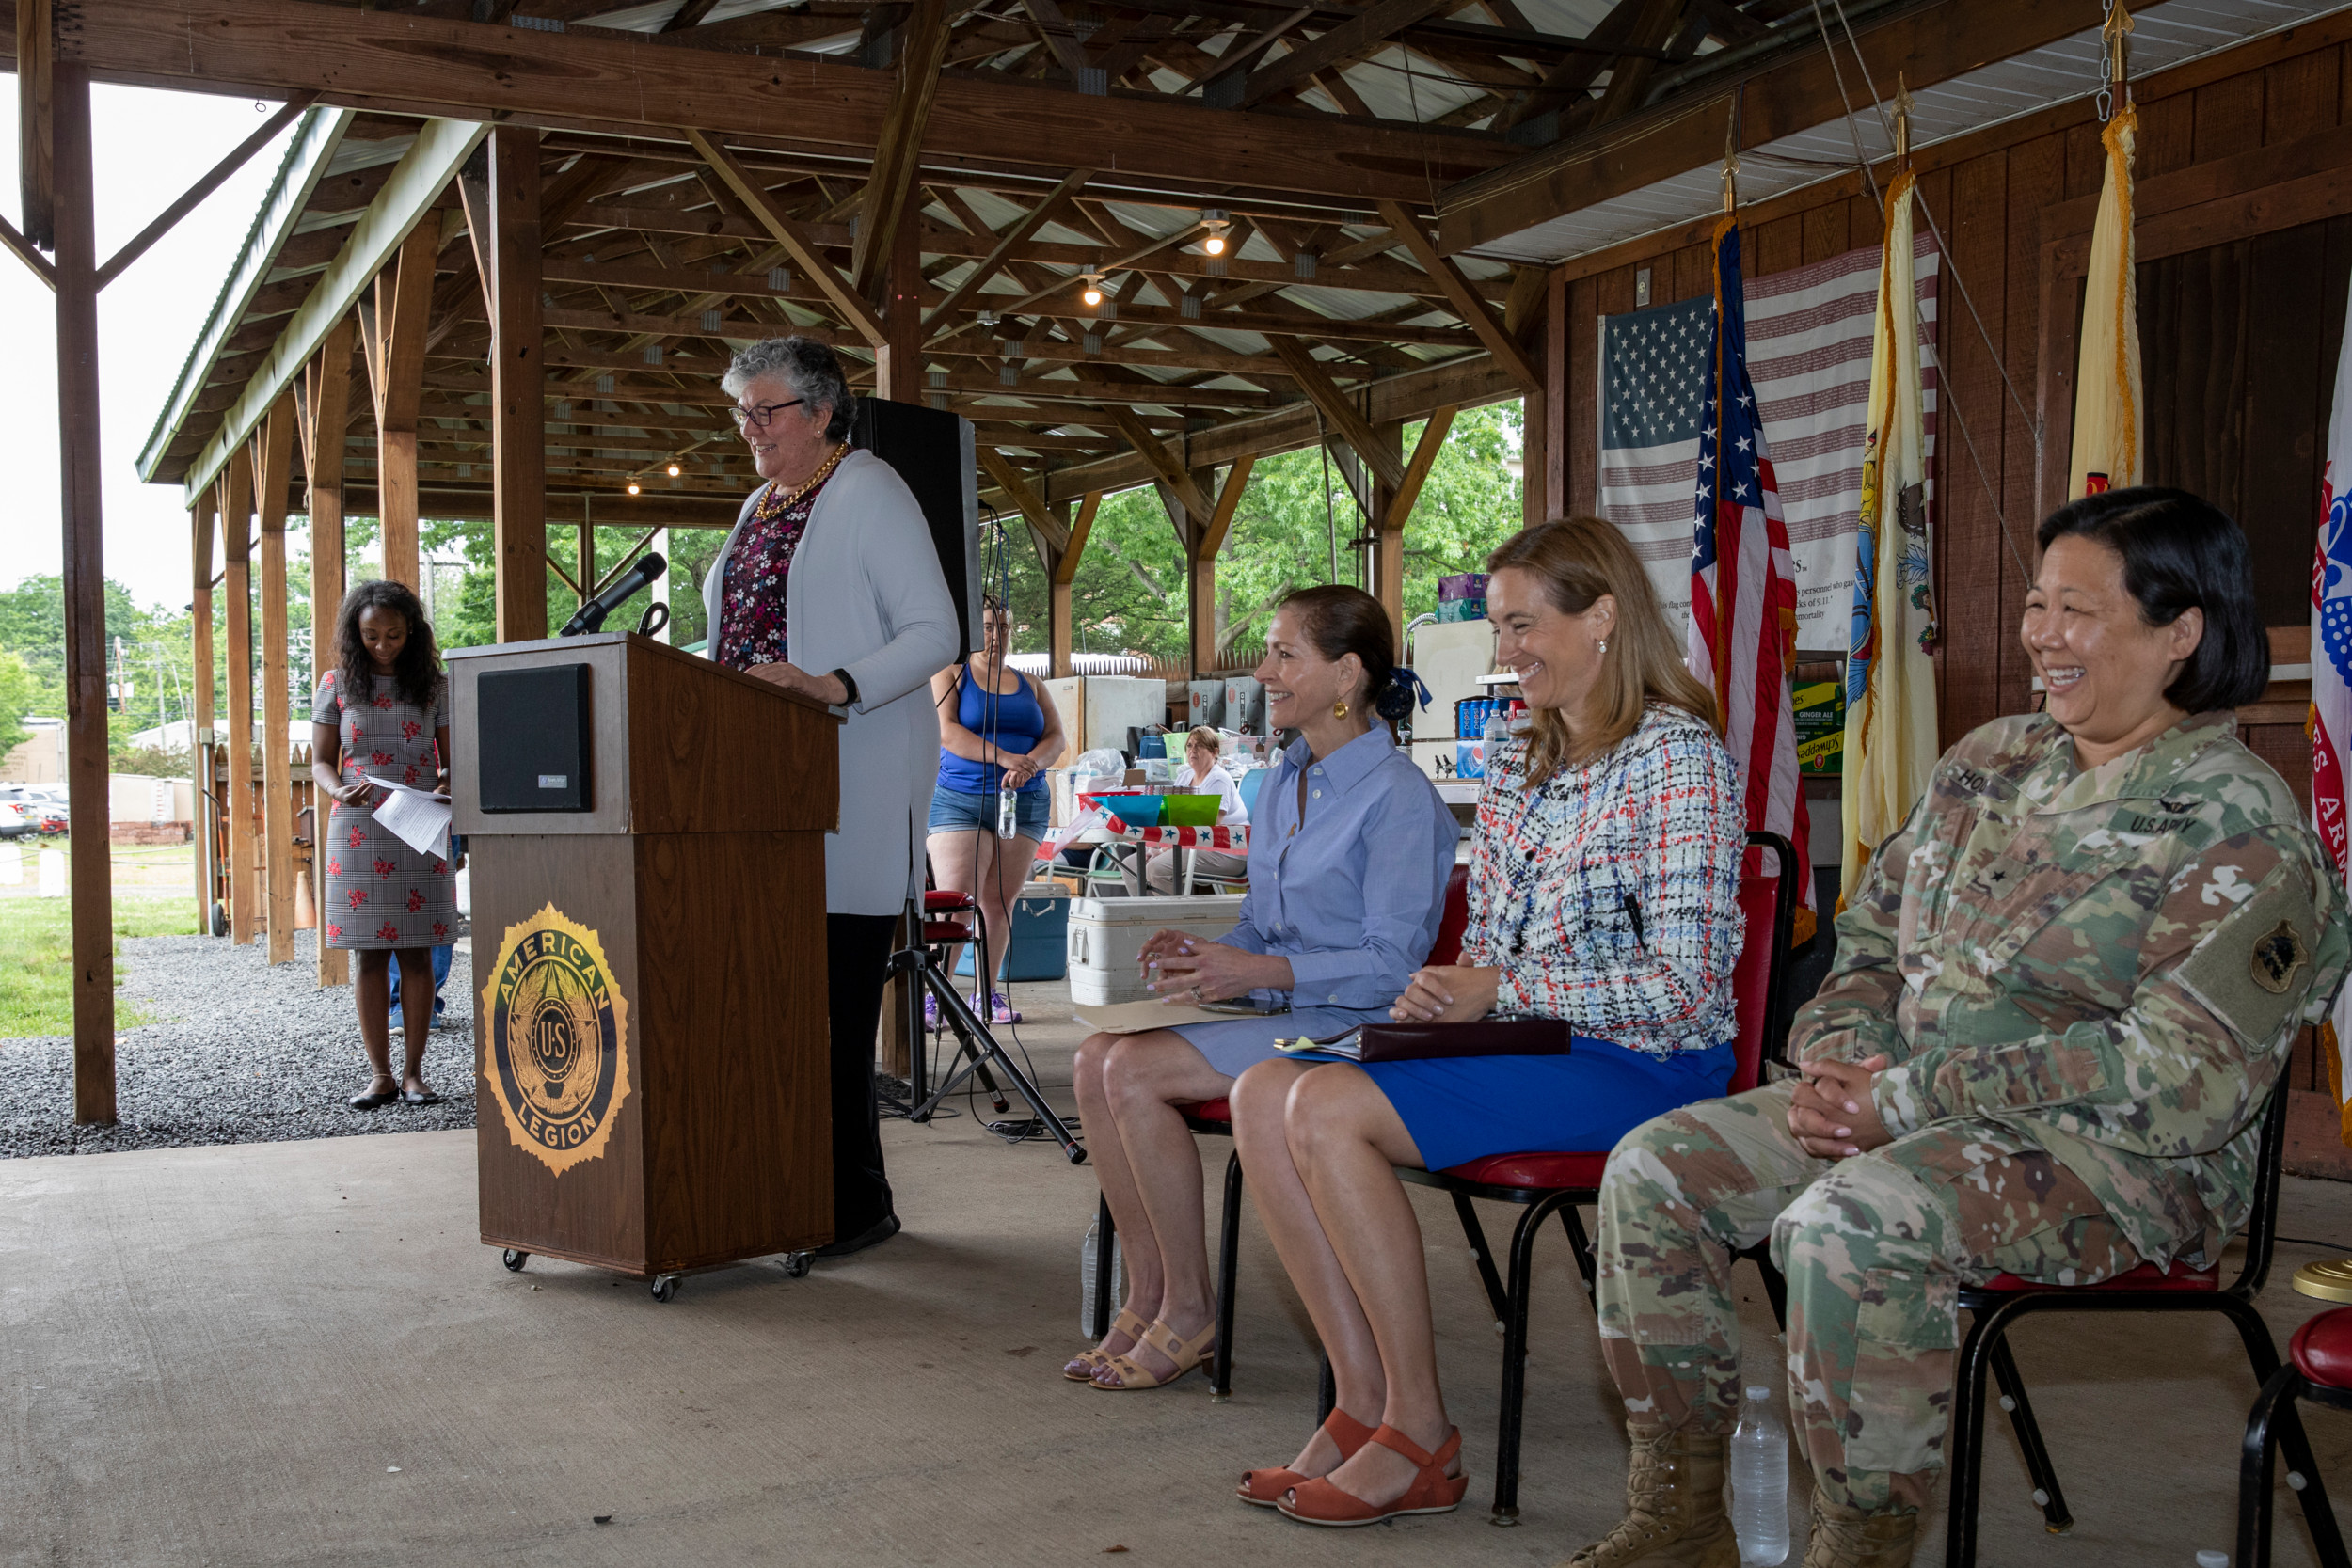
column 13, row 822
column 48, row 816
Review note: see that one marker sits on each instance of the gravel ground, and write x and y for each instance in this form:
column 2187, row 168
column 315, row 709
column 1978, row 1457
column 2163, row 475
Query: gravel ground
column 243, row 1054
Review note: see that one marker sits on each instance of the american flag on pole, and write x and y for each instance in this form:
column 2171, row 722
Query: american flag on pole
column 1809, row 357
column 2331, row 683
column 1743, row 587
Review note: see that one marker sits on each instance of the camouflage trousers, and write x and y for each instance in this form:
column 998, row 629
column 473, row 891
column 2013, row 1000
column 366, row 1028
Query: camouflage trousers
column 1874, row 1247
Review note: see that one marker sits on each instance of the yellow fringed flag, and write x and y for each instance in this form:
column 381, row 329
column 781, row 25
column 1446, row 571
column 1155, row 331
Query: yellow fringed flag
column 2107, row 379
column 1890, row 677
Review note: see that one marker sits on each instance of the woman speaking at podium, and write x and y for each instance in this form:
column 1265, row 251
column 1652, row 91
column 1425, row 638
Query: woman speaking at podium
column 829, row 586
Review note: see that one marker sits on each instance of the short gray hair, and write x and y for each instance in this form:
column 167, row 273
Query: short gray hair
column 806, row 366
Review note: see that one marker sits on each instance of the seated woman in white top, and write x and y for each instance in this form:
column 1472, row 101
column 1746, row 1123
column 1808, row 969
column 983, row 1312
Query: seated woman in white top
column 1203, row 776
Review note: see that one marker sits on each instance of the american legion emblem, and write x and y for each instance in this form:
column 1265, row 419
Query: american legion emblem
column 556, row 1034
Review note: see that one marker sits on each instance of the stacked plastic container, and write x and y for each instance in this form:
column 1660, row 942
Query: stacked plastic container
column 1463, row 598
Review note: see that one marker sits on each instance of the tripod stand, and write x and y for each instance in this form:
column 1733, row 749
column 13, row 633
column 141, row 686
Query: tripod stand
column 975, row 1045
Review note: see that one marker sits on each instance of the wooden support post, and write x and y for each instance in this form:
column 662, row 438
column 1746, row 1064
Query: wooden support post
column 326, row 398
column 518, row 387
column 273, row 462
column 236, row 544
column 200, row 672
column 1201, row 553
column 84, row 591
column 396, row 321
column 1396, row 509
column 1064, row 572
column 36, row 51
column 899, row 360
column 1555, row 329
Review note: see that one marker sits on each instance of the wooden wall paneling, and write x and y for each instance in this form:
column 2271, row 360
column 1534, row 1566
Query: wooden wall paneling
column 2085, row 160
column 1584, row 417
column 1865, row 220
column 244, row 915
column 2168, row 135
column 1693, row 273
column 2229, row 115
column 1824, row 232
column 1773, row 246
column 2300, row 96
column 1972, row 563
column 2037, row 176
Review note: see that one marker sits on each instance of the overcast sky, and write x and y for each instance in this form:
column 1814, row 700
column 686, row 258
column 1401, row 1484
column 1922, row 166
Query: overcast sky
column 151, row 145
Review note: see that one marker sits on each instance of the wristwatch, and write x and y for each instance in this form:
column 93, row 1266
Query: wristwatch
column 849, row 688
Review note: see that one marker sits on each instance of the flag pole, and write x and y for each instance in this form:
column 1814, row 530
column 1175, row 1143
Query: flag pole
column 1902, row 124
column 1731, row 159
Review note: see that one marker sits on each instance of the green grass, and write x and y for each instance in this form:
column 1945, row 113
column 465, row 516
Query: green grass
column 36, row 959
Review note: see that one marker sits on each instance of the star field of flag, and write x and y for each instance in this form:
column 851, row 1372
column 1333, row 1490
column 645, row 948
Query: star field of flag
column 1654, row 377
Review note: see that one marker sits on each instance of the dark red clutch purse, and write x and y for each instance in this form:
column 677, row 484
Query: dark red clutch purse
column 1486, row 1036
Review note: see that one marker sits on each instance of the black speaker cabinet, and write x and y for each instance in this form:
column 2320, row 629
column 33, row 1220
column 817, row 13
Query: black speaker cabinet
column 531, row 733
column 931, row 449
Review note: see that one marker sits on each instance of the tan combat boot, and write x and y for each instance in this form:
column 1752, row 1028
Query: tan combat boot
column 1849, row 1538
column 1674, row 1508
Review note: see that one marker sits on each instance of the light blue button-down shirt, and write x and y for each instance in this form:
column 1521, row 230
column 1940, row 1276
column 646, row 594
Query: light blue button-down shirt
column 1350, row 891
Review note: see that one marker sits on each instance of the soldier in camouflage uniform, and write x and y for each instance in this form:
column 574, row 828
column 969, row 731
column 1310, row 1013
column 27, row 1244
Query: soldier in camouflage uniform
column 2062, row 997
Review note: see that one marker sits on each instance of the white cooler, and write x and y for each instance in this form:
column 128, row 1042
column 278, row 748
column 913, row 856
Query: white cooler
column 1106, row 934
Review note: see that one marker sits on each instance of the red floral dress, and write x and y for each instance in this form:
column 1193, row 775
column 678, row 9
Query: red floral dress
column 379, row 892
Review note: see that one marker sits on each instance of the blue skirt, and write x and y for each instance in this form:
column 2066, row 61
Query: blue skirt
column 1234, row 1048
column 1461, row 1108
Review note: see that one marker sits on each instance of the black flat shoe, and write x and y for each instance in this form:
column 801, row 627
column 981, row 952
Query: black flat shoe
column 364, row 1101
column 872, row 1235
column 410, row 1097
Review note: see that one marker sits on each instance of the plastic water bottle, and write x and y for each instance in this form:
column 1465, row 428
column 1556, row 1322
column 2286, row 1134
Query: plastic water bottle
column 2208, row 1558
column 1498, row 728
column 1759, row 1481
column 1008, row 812
column 1089, row 1251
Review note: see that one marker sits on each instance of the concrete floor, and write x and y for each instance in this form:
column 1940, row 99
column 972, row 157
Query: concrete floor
column 299, row 1352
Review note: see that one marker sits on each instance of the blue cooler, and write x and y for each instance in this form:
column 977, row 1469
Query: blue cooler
column 1041, row 938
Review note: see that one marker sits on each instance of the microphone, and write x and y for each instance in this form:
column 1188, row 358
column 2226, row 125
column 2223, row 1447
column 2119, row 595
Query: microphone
column 649, row 568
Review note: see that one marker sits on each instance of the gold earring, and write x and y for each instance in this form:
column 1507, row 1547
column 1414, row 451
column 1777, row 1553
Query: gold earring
column 1339, row 711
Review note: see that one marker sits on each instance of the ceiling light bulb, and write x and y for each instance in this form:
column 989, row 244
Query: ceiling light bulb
column 1213, row 245
column 632, row 487
column 1093, row 294
column 674, row 470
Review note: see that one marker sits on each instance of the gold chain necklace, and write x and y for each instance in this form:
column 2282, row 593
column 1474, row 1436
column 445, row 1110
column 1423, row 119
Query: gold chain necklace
column 823, row 473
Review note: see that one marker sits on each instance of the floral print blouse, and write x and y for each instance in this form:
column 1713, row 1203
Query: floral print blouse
column 751, row 625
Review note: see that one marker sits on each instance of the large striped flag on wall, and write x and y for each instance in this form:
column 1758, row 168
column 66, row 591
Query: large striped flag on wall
column 2107, row 413
column 1743, row 588
column 2331, row 683
column 1890, row 672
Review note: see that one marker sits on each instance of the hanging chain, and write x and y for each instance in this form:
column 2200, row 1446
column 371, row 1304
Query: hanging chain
column 2115, row 59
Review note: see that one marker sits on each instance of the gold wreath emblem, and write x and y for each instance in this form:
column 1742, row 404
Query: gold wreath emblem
column 555, row 1039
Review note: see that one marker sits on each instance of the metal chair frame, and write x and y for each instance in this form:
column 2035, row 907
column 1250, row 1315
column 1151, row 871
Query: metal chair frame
column 1986, row 1351
column 2269, row 1424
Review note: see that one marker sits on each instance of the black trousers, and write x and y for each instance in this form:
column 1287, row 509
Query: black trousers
column 857, row 955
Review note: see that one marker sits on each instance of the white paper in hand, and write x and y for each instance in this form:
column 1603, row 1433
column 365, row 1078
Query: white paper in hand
column 416, row 818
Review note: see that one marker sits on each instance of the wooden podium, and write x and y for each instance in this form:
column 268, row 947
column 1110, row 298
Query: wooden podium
column 645, row 837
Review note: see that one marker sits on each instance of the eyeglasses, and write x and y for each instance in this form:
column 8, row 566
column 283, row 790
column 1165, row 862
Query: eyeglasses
column 757, row 418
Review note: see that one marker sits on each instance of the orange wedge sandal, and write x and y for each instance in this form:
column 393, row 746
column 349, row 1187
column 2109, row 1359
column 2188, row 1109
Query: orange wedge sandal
column 1265, row 1488
column 1323, row 1502
column 1082, row 1367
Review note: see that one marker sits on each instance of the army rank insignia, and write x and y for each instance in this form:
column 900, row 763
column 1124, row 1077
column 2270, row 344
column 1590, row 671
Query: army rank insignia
column 555, row 1039
column 2276, row 958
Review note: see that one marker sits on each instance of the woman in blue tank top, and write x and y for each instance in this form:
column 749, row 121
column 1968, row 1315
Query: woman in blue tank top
column 996, row 727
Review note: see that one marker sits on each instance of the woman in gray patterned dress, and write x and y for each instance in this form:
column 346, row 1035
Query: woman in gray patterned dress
column 383, row 712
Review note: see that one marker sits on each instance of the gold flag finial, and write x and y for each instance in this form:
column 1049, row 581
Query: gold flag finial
column 1731, row 159
column 1902, row 124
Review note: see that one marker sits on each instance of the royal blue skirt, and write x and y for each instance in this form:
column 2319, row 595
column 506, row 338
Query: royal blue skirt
column 1462, row 1108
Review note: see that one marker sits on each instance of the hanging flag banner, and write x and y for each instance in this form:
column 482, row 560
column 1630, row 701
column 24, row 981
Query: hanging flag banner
column 2332, row 687
column 1809, row 338
column 1890, row 670
column 1744, row 591
column 2107, row 415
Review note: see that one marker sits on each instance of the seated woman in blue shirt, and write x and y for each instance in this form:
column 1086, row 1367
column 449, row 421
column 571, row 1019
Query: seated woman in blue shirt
column 1604, row 890
column 1349, row 852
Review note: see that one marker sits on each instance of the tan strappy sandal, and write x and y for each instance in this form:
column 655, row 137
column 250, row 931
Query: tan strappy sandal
column 1082, row 1367
column 1185, row 1353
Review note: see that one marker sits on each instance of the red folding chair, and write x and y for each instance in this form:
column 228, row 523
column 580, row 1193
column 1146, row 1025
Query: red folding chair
column 1548, row 1183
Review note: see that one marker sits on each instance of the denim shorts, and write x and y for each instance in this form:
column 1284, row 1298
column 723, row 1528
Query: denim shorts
column 952, row 810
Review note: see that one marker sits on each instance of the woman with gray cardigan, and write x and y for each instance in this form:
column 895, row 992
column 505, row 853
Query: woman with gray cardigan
column 829, row 586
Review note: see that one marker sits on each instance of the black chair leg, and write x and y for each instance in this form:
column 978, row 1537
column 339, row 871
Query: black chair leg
column 2287, row 1430
column 1506, row 1503
column 1966, row 1442
column 1326, row 1391
column 1228, row 1277
column 1484, row 1256
column 1587, row 1262
column 2253, row 1469
column 1105, row 1241
column 2044, row 1474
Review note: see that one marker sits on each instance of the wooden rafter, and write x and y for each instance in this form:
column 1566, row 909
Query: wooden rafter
column 788, row 233
column 923, row 44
